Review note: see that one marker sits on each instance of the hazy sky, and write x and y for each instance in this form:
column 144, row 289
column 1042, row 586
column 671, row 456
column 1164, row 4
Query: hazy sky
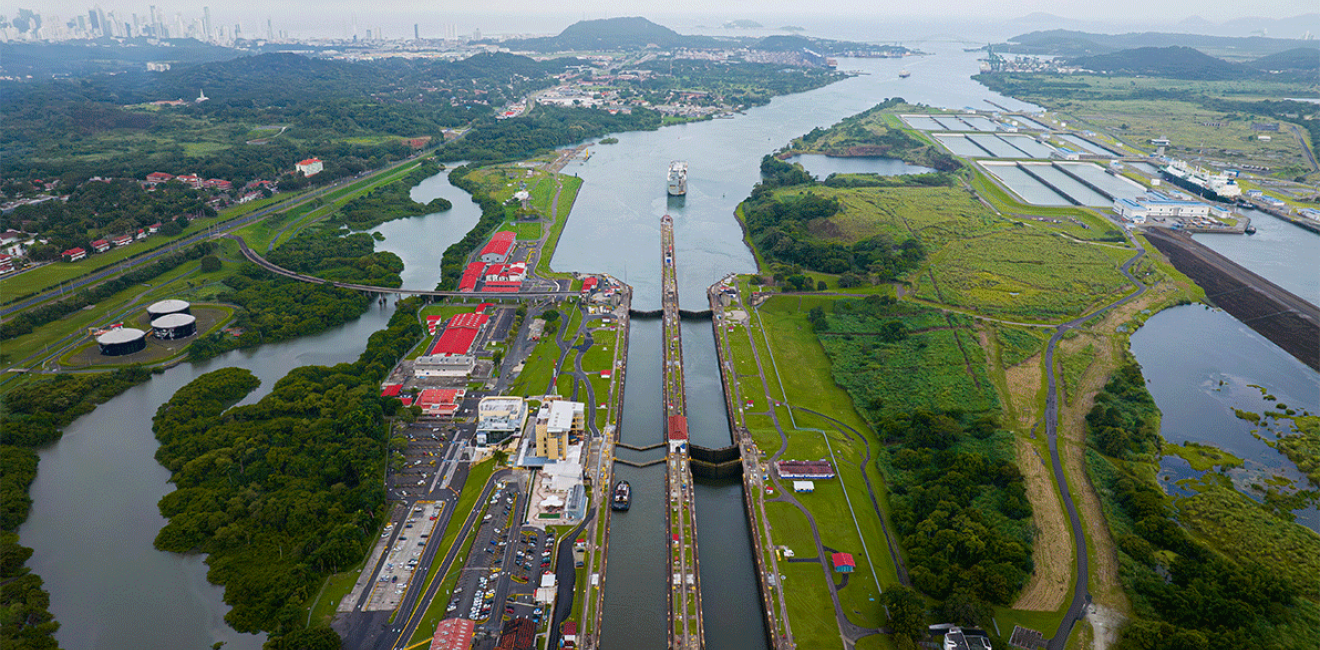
column 335, row 17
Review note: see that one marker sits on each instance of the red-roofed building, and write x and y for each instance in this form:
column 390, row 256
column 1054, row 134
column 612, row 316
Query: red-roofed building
column 159, row 177
column 568, row 632
column 432, row 322
column 460, row 332
column 497, row 251
column 154, row 228
column 589, row 285
column 440, row 402
column 74, row 254
column 677, row 427
column 505, row 272
column 453, row 634
column 310, row 167
column 390, row 390
column 407, row 400
column 471, row 275
column 123, row 240
column 6, row 263
column 843, row 562
column 100, row 245
column 191, row 179
column 503, row 287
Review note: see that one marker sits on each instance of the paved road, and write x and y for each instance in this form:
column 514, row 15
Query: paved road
column 225, row 227
column 1081, row 589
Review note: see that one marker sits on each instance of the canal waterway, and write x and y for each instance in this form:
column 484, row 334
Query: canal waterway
column 1280, row 252
column 1200, row 364
column 94, row 514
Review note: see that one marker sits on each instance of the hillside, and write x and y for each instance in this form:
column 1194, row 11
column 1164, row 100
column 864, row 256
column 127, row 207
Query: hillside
column 1302, row 58
column 1063, row 42
column 611, row 34
column 1175, row 62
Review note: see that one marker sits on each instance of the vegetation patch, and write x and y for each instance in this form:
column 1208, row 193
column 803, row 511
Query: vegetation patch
column 393, row 200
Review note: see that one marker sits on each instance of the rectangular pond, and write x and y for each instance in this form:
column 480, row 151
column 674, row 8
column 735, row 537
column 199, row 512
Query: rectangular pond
column 979, row 123
column 997, row 147
column 1087, row 146
column 922, row 122
column 1021, row 183
column 961, row 146
column 1062, row 182
column 1115, row 186
column 1029, row 145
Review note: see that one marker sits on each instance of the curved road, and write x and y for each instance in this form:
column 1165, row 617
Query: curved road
column 227, row 226
column 1081, row 593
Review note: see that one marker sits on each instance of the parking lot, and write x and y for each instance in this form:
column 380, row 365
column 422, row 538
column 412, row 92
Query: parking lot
column 406, row 544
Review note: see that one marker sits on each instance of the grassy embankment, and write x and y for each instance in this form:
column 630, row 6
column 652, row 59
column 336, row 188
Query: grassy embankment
column 545, row 216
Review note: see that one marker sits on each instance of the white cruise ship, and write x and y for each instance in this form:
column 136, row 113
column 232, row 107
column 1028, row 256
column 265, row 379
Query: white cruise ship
column 677, row 178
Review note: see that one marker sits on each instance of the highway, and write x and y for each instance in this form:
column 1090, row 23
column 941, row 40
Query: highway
column 226, row 227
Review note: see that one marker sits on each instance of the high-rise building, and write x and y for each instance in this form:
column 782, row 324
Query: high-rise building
column 416, row 34
column 270, row 30
column 206, row 24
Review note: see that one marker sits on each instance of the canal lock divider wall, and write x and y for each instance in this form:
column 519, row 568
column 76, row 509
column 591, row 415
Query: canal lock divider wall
column 746, row 458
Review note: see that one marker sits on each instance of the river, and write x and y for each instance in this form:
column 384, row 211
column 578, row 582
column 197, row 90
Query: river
column 94, row 514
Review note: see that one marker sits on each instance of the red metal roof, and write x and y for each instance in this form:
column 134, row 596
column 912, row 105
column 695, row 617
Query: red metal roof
column 588, row 284
column 497, row 247
column 453, row 634
column 440, row 399
column 391, row 390
column 503, row 287
column 843, row 560
column 677, row 427
column 460, row 332
column 470, row 276
column 74, row 251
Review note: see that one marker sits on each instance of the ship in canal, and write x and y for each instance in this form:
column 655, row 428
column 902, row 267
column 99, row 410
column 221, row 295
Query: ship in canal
column 1216, row 187
column 677, row 178
column 904, row 74
column 622, row 499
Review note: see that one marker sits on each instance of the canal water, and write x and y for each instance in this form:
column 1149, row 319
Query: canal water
column 94, row 514
column 1280, row 252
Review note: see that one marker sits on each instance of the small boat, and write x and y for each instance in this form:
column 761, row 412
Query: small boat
column 622, row 499
column 904, row 74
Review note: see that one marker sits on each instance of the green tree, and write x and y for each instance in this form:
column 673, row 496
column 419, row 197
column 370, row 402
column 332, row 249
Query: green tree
column 210, row 264
column 907, row 611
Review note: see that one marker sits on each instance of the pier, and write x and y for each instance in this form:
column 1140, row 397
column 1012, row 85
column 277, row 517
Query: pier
column 685, row 626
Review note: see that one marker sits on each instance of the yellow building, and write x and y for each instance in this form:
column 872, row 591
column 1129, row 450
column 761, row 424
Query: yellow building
column 556, row 423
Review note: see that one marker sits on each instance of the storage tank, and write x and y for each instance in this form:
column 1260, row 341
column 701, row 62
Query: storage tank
column 174, row 326
column 123, row 340
column 167, row 307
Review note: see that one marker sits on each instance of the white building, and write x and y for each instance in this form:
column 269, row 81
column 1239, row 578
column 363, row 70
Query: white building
column 499, row 418
column 1159, row 206
column 310, row 167
column 444, row 365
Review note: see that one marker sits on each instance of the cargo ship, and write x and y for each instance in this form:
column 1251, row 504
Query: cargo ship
column 622, row 499
column 1216, row 187
column 677, row 178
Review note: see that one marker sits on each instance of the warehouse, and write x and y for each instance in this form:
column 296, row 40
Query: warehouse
column 122, row 340
column 497, row 251
column 460, row 331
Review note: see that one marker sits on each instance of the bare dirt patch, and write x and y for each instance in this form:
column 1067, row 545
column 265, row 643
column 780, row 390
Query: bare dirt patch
column 1052, row 550
column 1023, row 385
column 1105, row 623
column 1072, row 431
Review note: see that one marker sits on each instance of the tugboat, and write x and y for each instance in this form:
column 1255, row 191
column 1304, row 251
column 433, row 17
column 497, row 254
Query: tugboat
column 904, row 74
column 622, row 496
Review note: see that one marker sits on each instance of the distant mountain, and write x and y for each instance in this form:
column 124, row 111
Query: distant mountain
column 1175, row 62
column 1302, row 58
column 1061, row 42
column 612, row 34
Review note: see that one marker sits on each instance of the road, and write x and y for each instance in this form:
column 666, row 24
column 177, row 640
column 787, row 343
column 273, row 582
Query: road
column 226, row 227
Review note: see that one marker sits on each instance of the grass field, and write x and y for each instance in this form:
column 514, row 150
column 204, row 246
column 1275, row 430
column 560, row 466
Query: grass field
column 1023, row 273
column 934, row 215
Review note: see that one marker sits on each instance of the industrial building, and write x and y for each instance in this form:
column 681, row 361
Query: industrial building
column 174, row 326
column 444, row 365
column 122, row 340
column 804, row 469
column 497, row 251
column 1159, row 206
column 441, row 402
column 499, row 418
column 460, row 332
column 453, row 634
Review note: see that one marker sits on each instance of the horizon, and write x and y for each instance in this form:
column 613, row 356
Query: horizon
column 979, row 20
